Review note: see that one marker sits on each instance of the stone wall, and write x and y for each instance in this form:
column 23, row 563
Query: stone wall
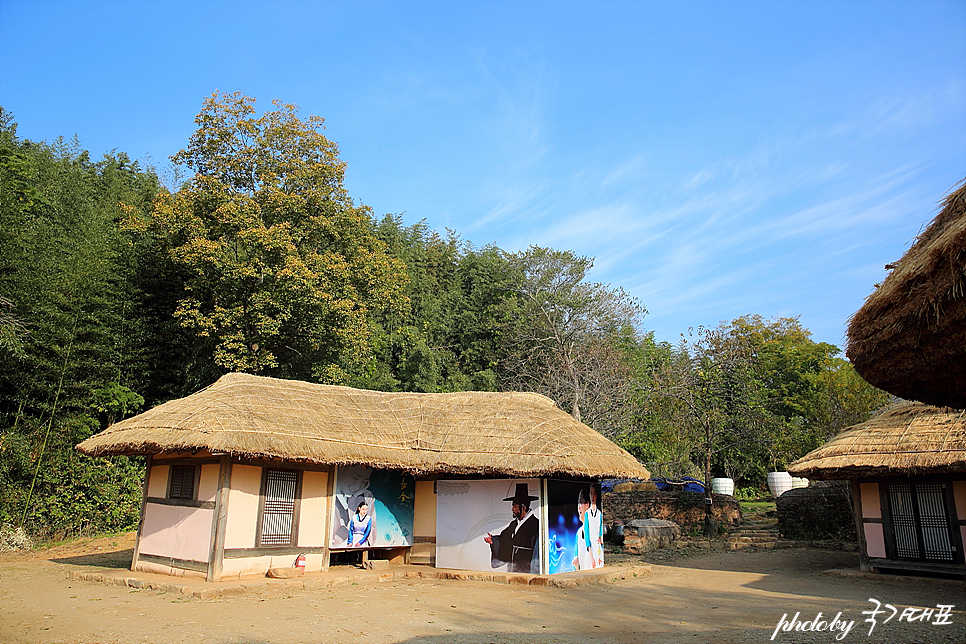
column 683, row 508
column 821, row 511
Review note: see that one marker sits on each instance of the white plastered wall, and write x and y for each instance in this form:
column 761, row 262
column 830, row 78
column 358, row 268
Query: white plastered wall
column 158, row 481
column 246, row 481
column 312, row 513
column 177, row 532
column 208, row 485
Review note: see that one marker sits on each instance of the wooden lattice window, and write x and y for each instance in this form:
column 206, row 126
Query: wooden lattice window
column 183, row 482
column 920, row 524
column 279, row 516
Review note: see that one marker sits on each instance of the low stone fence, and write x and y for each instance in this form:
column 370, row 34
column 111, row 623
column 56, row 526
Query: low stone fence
column 821, row 511
column 683, row 508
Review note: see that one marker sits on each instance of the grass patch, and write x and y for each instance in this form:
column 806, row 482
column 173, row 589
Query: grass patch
column 757, row 505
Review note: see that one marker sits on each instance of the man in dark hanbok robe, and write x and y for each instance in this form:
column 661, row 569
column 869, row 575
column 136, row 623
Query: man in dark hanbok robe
column 517, row 545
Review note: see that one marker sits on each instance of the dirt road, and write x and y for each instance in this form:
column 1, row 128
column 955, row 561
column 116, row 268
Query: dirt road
column 726, row 597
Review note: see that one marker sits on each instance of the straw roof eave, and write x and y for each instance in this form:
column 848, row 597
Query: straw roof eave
column 427, row 469
column 909, row 338
column 910, row 439
column 471, row 433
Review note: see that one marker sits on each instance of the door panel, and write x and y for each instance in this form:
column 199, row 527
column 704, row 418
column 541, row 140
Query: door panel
column 921, row 530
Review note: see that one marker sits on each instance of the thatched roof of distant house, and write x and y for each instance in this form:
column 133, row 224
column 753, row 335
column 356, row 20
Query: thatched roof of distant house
column 910, row 438
column 910, row 336
column 513, row 434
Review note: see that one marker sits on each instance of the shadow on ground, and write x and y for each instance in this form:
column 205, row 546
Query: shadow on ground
column 118, row 559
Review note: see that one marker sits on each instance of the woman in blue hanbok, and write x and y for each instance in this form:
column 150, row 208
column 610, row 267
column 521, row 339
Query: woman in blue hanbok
column 360, row 527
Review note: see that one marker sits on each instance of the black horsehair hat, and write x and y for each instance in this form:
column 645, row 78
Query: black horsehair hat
column 522, row 495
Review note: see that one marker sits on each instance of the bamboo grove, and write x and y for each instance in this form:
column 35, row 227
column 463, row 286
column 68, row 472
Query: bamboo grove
column 118, row 293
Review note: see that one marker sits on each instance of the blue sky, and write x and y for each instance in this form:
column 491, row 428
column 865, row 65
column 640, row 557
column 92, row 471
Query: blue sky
column 716, row 158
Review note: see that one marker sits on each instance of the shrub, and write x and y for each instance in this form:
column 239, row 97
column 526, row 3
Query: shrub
column 12, row 538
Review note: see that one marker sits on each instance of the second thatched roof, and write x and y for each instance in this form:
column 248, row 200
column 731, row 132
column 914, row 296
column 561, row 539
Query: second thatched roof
column 910, row 438
column 909, row 337
column 513, row 434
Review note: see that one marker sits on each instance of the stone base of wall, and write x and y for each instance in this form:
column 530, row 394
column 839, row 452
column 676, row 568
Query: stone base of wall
column 821, row 511
column 683, row 508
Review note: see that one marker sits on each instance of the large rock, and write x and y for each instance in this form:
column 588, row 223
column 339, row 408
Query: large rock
column 285, row 573
column 377, row 564
column 642, row 535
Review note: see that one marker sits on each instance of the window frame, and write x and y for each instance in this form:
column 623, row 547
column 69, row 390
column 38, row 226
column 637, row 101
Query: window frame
column 295, row 514
column 195, row 478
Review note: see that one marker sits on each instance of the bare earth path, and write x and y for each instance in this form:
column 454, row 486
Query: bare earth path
column 726, row 597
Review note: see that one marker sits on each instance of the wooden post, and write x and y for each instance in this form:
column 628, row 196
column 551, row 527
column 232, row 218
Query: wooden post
column 860, row 525
column 542, row 486
column 329, row 523
column 144, row 501
column 219, row 522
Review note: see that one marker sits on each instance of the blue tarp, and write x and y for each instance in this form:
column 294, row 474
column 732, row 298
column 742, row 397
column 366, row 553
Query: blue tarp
column 685, row 484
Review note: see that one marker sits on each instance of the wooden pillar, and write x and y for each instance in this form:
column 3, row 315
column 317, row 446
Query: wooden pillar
column 216, row 554
column 544, row 536
column 329, row 523
column 860, row 525
column 144, row 501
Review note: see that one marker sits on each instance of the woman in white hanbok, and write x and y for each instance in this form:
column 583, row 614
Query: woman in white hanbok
column 594, row 529
column 584, row 557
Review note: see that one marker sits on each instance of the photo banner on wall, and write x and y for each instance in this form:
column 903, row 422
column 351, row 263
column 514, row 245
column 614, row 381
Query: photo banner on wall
column 575, row 526
column 373, row 508
column 476, row 528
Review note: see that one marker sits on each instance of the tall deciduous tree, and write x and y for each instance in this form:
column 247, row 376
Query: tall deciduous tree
column 810, row 393
column 563, row 342
column 282, row 269
column 718, row 399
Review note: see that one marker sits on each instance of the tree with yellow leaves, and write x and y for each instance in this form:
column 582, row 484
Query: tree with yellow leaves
column 281, row 269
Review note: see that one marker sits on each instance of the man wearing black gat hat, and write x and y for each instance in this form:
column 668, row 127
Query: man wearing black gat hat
column 517, row 545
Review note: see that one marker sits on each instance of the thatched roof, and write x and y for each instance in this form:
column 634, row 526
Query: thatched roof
column 910, row 336
column 910, row 438
column 515, row 434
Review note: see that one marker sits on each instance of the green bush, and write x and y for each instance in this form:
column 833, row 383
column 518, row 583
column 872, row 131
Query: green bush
column 749, row 493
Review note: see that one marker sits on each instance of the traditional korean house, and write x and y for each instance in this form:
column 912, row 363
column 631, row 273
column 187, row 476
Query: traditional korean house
column 908, row 465
column 255, row 473
column 908, row 472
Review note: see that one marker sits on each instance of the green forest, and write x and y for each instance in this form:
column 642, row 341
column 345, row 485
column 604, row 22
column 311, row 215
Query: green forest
column 119, row 292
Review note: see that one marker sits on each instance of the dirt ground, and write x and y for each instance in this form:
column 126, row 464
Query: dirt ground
column 689, row 597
